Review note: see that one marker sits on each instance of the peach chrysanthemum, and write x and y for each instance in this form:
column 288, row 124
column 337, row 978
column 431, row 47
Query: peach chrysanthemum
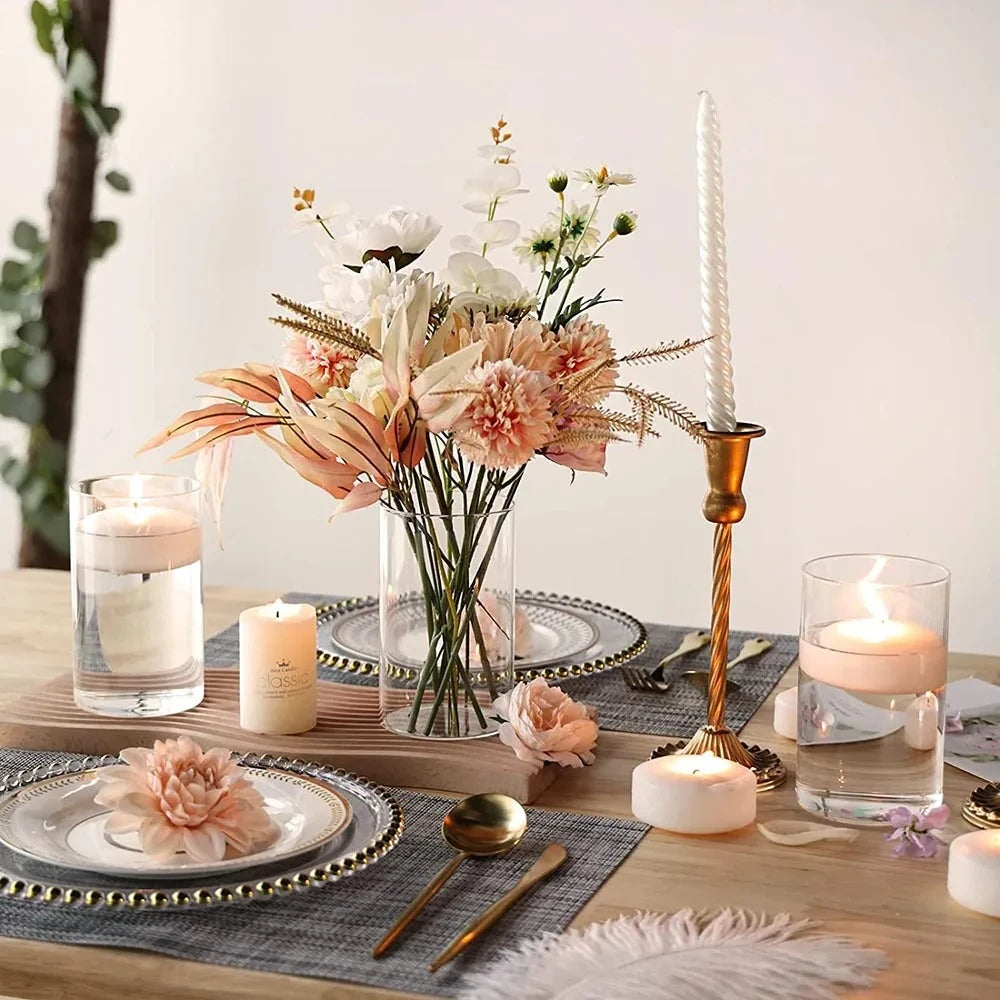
column 322, row 366
column 583, row 344
column 530, row 344
column 177, row 797
column 510, row 416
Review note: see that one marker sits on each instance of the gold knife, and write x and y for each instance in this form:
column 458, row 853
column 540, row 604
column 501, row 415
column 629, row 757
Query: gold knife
column 548, row 861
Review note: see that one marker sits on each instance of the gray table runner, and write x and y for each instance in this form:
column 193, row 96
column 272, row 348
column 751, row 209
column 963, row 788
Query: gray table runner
column 329, row 932
column 678, row 713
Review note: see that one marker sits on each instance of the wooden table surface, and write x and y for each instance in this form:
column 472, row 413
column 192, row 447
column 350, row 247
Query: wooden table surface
column 937, row 949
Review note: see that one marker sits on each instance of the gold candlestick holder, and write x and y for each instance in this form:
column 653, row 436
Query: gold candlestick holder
column 726, row 454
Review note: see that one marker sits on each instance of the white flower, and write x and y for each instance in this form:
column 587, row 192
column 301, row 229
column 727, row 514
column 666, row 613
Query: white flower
column 397, row 236
column 487, row 235
column 482, row 287
column 310, row 216
column 369, row 298
column 575, row 221
column 368, row 387
column 493, row 185
column 539, row 247
column 499, row 153
column 601, row 180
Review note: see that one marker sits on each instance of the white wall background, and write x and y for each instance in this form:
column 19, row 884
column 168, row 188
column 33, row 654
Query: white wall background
column 862, row 172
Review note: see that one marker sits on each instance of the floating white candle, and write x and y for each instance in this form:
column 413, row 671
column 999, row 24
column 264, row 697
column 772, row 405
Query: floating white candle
column 278, row 668
column 974, row 871
column 133, row 535
column 714, row 285
column 696, row 793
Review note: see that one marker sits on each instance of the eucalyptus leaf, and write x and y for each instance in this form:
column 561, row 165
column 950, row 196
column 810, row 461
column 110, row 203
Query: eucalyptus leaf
column 81, row 75
column 24, row 405
column 26, row 236
column 13, row 275
column 91, row 117
column 118, row 181
column 32, row 333
column 9, row 301
column 14, row 472
column 42, row 20
column 50, row 458
column 110, row 116
column 13, row 360
column 37, row 370
column 105, row 232
column 33, row 494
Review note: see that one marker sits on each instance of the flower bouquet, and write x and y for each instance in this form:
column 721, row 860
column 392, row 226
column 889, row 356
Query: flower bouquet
column 431, row 395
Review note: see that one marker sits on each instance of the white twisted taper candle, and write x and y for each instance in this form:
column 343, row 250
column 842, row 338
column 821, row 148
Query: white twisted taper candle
column 714, row 287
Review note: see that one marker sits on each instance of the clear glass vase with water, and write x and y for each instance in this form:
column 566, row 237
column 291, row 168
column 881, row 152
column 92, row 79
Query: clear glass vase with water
column 872, row 670
column 137, row 595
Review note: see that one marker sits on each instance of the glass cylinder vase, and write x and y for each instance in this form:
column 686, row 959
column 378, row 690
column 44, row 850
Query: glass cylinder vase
column 446, row 615
column 873, row 658
column 135, row 555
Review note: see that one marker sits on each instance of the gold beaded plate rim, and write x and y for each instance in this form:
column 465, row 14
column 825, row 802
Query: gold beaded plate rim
column 329, row 863
column 327, row 612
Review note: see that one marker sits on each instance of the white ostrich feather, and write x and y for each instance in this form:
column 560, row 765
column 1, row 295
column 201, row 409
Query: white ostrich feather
column 683, row 956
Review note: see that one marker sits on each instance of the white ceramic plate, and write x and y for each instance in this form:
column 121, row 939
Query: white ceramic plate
column 57, row 821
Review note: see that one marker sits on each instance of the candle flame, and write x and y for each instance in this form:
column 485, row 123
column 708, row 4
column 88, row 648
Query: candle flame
column 869, row 591
column 277, row 607
column 135, row 488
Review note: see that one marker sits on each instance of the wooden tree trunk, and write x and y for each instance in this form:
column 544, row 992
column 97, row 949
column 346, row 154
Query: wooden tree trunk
column 72, row 202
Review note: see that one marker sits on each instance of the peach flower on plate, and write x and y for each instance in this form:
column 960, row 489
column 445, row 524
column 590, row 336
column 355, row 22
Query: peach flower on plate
column 178, row 797
column 542, row 723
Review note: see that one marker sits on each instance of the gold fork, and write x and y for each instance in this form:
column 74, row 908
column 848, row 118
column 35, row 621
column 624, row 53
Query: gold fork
column 639, row 680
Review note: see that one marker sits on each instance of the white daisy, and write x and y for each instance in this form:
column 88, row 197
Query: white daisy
column 539, row 247
column 601, row 180
column 576, row 225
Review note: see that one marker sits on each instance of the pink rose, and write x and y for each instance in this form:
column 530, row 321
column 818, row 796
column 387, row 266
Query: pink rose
column 541, row 723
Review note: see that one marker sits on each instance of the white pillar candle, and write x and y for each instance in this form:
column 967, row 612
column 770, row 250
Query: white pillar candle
column 920, row 728
column 714, row 284
column 974, row 871
column 884, row 656
column 696, row 793
column 786, row 714
column 278, row 668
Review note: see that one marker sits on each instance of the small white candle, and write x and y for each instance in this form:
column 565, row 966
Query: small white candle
column 696, row 793
column 920, row 728
column 974, row 871
column 278, row 668
column 786, row 714
column 714, row 283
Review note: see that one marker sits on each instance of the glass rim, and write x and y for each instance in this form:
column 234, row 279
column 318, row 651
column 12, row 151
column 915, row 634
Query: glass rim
column 943, row 573
column 190, row 485
column 415, row 515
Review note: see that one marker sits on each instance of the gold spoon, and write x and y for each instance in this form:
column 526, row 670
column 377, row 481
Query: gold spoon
column 480, row 826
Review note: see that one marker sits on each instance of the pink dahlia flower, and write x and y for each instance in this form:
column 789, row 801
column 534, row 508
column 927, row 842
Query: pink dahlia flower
column 509, row 417
column 583, row 344
column 541, row 723
column 322, row 366
column 177, row 797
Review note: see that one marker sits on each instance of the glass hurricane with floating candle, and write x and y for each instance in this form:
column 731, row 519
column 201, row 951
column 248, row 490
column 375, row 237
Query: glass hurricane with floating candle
column 872, row 666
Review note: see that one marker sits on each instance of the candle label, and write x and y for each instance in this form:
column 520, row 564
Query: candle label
column 284, row 679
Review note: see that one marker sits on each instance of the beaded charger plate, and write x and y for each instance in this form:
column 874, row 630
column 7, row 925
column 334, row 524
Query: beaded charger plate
column 570, row 637
column 375, row 823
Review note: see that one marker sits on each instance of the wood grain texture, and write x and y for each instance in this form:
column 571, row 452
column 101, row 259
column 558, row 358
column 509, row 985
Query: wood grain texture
column 348, row 734
column 937, row 949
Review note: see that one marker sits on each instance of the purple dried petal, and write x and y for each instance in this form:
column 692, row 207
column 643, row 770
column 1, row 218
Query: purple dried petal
column 936, row 818
column 925, row 846
column 899, row 817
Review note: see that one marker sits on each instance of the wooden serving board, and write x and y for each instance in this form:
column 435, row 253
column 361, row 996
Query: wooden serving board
column 349, row 735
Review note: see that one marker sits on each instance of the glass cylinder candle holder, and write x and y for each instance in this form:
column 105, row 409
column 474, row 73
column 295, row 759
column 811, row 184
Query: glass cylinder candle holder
column 135, row 552
column 446, row 621
column 873, row 657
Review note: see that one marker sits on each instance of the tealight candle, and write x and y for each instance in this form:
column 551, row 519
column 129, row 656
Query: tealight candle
column 694, row 793
column 278, row 668
column 974, row 871
column 786, row 714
